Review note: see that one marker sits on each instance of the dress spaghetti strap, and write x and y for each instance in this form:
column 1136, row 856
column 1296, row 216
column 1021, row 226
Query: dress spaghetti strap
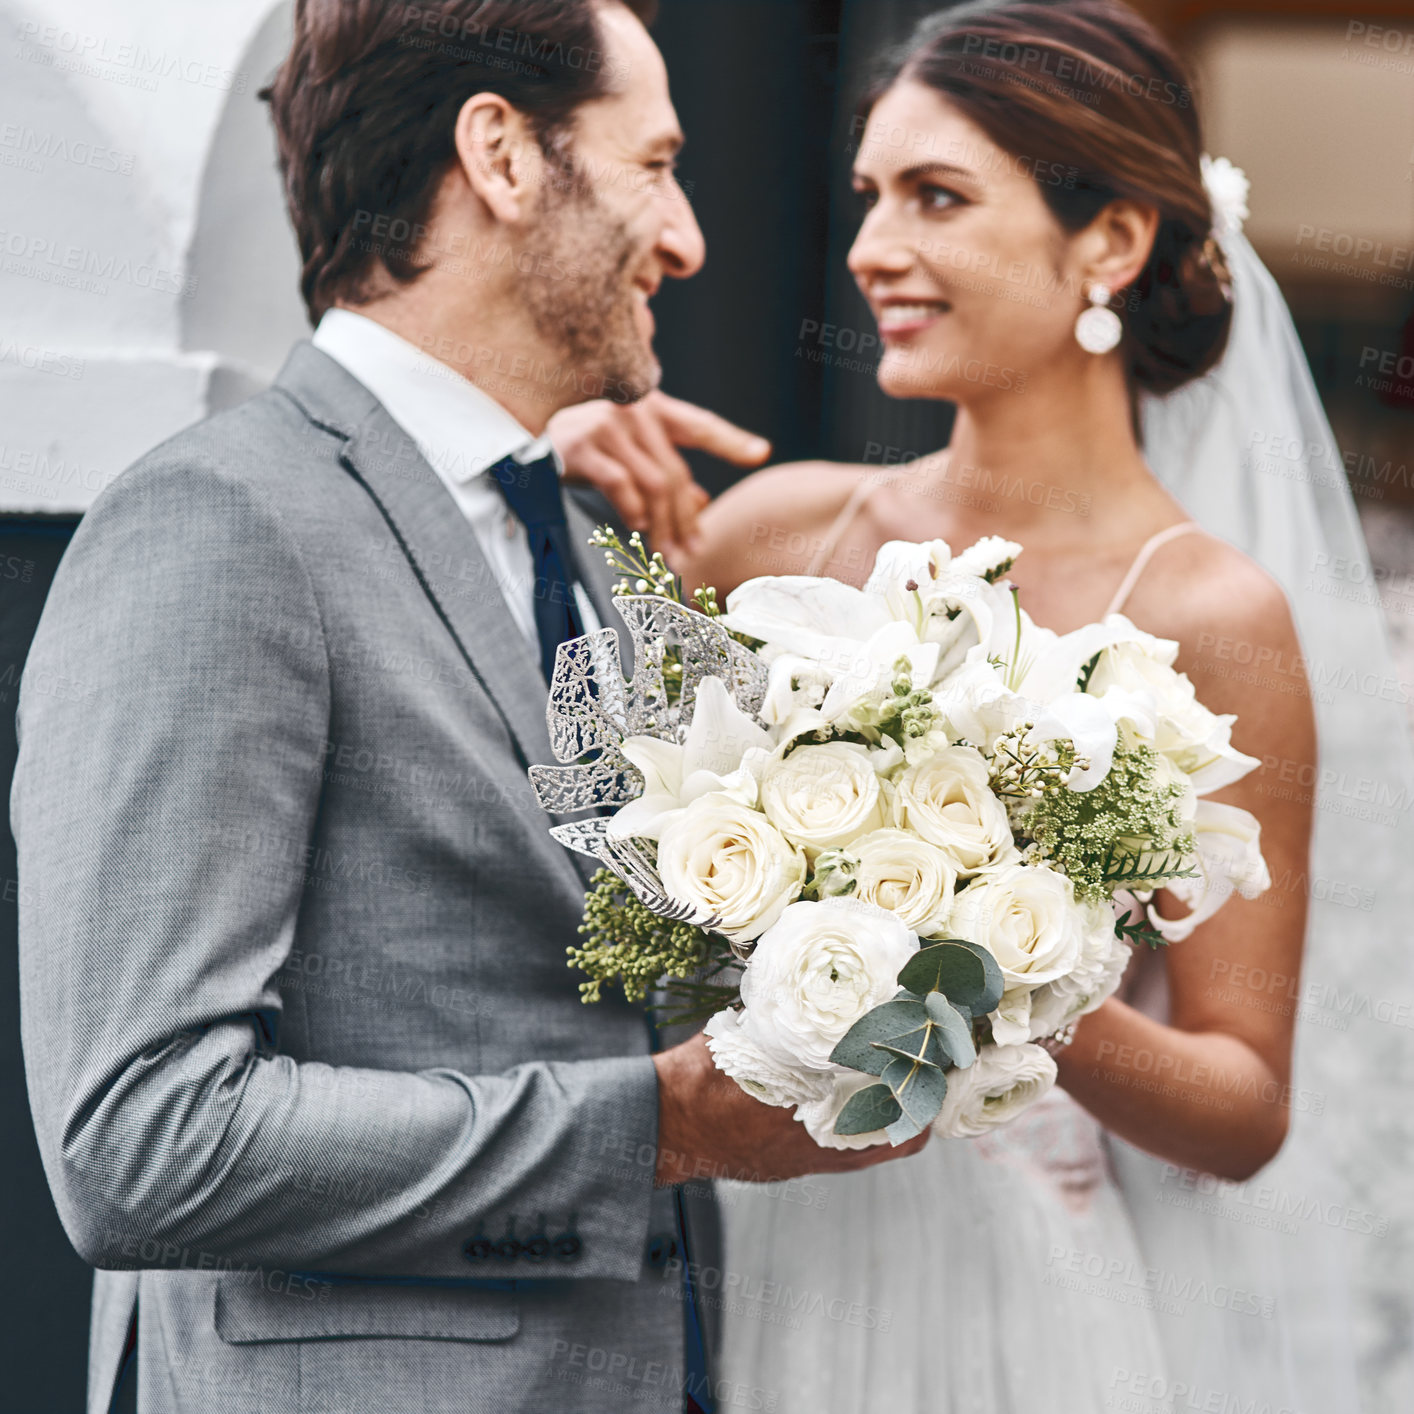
column 1141, row 561
column 838, row 526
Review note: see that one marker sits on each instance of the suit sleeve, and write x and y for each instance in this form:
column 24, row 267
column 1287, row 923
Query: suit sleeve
column 179, row 661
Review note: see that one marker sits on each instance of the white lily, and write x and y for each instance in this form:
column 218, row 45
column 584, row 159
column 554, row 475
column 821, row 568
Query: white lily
column 1021, row 671
column 1172, row 720
column 855, row 634
column 723, row 750
column 1229, row 859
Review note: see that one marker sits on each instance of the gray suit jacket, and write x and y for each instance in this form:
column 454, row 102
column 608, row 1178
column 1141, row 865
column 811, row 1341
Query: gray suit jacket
column 312, row 1080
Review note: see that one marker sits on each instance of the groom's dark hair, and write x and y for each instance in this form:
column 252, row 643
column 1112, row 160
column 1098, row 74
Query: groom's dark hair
column 366, row 102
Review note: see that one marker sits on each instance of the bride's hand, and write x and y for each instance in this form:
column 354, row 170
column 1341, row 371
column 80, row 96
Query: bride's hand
column 628, row 451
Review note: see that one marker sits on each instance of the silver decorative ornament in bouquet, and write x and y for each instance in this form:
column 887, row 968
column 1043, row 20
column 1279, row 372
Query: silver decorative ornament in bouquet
column 884, row 840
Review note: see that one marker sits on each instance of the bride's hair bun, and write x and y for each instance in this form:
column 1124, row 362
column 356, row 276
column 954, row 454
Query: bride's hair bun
column 1090, row 90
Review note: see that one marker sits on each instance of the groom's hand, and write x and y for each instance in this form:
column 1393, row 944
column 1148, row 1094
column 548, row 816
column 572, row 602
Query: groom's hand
column 628, row 451
column 709, row 1127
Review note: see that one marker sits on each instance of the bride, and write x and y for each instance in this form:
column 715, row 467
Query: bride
column 1038, row 246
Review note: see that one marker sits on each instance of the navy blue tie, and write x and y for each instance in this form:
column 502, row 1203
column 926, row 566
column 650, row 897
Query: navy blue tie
column 532, row 491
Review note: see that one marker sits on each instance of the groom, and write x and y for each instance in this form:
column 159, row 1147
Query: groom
column 313, row 1084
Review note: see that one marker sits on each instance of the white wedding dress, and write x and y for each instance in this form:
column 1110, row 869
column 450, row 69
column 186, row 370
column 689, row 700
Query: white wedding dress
column 998, row 1275
column 1049, row 1268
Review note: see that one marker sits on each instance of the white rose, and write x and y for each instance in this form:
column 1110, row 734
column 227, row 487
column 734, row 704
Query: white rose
column 759, row 1070
column 909, row 877
column 823, row 797
column 1196, row 740
column 1103, row 958
column 730, row 861
column 1001, row 1083
column 816, row 971
column 947, row 801
column 1026, row 916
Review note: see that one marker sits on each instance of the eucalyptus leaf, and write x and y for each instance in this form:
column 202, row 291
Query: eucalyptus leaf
column 866, row 1110
column 953, row 1029
column 919, row 1091
column 965, row 972
column 945, row 967
column 887, row 1021
column 922, row 1044
column 996, row 983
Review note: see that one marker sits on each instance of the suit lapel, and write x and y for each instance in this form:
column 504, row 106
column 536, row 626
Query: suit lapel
column 456, row 576
column 434, row 535
column 442, row 548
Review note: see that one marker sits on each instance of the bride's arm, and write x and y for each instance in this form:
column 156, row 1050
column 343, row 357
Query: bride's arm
column 1212, row 1089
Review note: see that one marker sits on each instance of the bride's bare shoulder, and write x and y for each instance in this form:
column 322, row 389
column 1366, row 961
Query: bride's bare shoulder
column 771, row 522
column 1231, row 619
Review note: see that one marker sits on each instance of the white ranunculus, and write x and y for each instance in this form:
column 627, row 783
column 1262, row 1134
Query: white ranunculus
column 819, row 1113
column 1103, row 958
column 817, row 970
column 1197, row 741
column 946, row 800
column 723, row 749
column 758, row 1069
column 1229, row 860
column 1026, row 916
column 822, row 797
column 731, row 861
column 1001, row 1083
column 907, row 876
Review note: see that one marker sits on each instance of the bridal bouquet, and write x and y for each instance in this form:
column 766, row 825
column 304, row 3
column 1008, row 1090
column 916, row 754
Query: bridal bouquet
column 887, row 839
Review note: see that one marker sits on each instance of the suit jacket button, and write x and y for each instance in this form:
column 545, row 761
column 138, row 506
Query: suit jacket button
column 536, row 1248
column 506, row 1250
column 567, row 1246
column 662, row 1248
column 478, row 1249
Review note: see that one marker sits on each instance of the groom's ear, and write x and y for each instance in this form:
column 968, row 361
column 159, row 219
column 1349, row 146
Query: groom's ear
column 1120, row 241
column 500, row 157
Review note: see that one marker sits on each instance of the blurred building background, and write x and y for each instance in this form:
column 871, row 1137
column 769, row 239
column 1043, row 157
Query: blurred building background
column 148, row 277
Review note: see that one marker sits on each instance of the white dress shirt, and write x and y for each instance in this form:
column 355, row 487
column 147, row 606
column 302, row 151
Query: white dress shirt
column 461, row 431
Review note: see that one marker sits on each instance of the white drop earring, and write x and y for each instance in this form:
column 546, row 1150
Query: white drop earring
column 1098, row 329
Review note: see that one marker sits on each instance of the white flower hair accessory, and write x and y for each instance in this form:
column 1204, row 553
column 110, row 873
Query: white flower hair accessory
column 1227, row 187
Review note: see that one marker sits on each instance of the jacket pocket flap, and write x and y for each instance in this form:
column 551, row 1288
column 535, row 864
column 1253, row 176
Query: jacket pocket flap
column 274, row 1306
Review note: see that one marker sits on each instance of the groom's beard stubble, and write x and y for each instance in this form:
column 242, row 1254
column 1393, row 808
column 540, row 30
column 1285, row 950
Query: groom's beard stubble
column 588, row 311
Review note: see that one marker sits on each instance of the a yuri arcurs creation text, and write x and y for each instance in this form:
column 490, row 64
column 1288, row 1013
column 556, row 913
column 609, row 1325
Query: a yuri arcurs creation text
column 887, row 838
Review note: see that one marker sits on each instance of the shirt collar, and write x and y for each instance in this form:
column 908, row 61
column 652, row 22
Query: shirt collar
column 459, row 428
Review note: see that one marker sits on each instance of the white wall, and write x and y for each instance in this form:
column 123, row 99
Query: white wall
column 147, row 272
